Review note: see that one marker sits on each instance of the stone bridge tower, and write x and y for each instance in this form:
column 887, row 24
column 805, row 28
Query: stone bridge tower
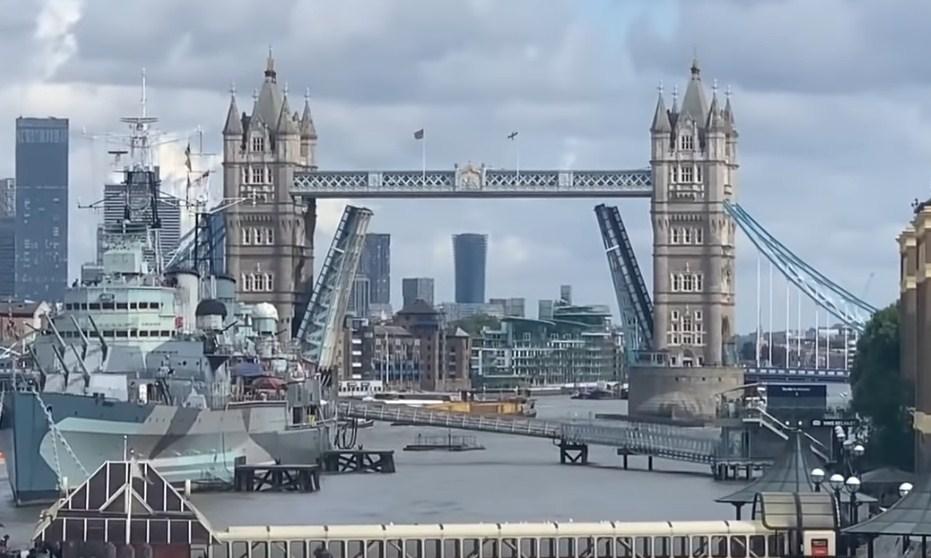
column 694, row 163
column 269, row 237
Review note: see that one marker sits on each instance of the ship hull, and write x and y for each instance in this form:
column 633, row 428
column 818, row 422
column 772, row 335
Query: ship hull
column 201, row 445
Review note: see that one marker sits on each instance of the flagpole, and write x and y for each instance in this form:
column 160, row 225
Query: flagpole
column 517, row 157
column 423, row 160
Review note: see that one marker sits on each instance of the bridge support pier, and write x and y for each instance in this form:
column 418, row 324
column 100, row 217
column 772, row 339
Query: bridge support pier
column 625, row 454
column 572, row 453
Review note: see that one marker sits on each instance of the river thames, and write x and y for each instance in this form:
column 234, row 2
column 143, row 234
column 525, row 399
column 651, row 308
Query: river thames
column 513, row 479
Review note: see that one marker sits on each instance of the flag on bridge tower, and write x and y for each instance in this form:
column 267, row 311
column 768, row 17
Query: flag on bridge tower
column 418, row 135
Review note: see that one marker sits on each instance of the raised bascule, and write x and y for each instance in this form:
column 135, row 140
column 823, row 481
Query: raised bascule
column 679, row 336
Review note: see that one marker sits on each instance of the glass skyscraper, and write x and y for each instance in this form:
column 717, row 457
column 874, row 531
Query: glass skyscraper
column 375, row 266
column 41, row 208
column 469, row 253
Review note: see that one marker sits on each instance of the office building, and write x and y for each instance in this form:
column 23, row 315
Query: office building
column 454, row 311
column 375, row 268
column 417, row 288
column 7, row 237
column 360, row 297
column 545, row 310
column 376, row 265
column 136, row 194
column 7, row 197
column 565, row 294
column 7, row 257
column 41, row 271
column 469, row 253
column 513, row 307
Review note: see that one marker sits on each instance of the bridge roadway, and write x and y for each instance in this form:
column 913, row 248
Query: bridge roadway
column 632, row 437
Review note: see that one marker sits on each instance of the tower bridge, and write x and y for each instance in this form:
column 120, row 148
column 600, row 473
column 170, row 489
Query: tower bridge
column 691, row 182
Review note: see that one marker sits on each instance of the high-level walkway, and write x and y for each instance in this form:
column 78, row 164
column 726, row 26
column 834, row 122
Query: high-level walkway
column 696, row 445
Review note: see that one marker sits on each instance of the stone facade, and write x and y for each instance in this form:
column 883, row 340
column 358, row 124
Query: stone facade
column 269, row 237
column 694, row 163
column 680, row 393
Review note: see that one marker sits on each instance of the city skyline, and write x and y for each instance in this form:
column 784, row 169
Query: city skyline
column 520, row 81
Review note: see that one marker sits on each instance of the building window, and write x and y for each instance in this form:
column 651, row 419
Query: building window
column 688, row 283
column 676, row 282
column 247, row 235
column 699, row 235
column 258, row 143
column 686, row 174
column 698, row 315
column 698, row 174
column 268, row 175
column 676, row 235
column 687, row 142
column 248, row 282
column 258, row 176
column 674, row 315
column 687, row 235
column 699, row 282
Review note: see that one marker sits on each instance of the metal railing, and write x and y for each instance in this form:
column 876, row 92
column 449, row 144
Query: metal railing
column 640, row 438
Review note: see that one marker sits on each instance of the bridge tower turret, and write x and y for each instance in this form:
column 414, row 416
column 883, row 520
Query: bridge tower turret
column 269, row 237
column 694, row 171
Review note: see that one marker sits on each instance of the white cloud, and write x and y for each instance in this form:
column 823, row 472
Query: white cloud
column 831, row 115
column 54, row 32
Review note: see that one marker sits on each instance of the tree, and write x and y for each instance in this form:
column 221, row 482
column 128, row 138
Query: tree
column 880, row 392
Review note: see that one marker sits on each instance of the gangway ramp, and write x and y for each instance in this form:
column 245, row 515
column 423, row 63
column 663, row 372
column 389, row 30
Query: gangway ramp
column 632, row 437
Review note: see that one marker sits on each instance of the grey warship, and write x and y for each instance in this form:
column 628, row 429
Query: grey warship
column 164, row 365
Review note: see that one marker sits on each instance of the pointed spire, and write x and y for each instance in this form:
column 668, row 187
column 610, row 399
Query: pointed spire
column 661, row 122
column 270, row 74
column 728, row 112
column 308, row 130
column 286, row 123
column 233, row 120
column 693, row 103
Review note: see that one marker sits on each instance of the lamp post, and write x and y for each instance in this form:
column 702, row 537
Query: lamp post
column 852, row 484
column 817, row 477
column 904, row 489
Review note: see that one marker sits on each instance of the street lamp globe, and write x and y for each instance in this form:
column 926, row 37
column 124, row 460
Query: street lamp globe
column 836, row 481
column 859, row 450
column 905, row 488
column 817, row 475
column 852, row 484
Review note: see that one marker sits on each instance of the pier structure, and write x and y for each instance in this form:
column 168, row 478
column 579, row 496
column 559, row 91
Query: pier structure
column 631, row 437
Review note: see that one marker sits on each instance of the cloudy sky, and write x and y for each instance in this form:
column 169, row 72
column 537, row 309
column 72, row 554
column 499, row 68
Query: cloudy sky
column 831, row 99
